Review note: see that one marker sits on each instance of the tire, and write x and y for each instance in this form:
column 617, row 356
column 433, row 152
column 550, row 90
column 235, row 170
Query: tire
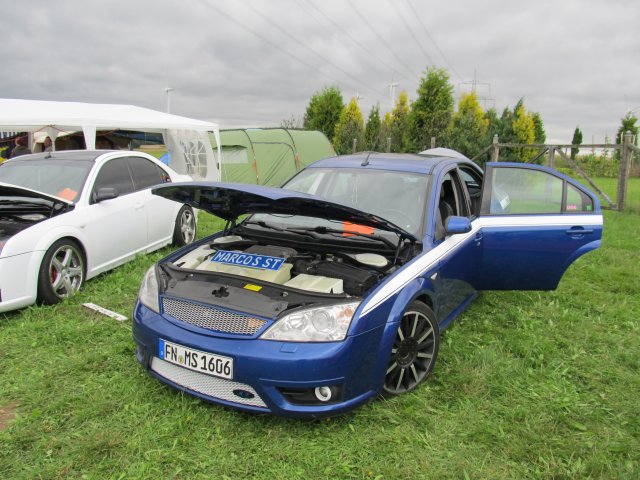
column 61, row 273
column 414, row 351
column 184, row 232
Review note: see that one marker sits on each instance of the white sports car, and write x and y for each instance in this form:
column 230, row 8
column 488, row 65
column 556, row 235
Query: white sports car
column 68, row 216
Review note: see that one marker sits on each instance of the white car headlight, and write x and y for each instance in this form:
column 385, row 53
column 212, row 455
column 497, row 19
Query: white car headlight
column 319, row 324
column 148, row 294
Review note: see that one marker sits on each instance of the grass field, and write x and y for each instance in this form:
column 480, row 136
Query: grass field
column 527, row 385
column 610, row 187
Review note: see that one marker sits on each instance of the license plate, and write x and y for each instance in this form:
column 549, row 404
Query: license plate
column 203, row 362
column 251, row 260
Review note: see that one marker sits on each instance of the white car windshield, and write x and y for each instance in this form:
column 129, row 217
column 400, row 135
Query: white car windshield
column 398, row 197
column 57, row 177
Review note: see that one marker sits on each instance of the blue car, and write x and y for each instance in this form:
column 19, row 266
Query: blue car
column 321, row 295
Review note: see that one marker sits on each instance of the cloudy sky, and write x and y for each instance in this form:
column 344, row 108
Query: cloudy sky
column 257, row 62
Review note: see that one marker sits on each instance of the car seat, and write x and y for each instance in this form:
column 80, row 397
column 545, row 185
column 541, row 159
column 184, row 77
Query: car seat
column 445, row 208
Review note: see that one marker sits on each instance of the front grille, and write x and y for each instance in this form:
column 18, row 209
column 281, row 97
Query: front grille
column 206, row 384
column 212, row 318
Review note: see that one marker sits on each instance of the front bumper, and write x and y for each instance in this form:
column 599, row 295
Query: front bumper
column 265, row 371
column 18, row 280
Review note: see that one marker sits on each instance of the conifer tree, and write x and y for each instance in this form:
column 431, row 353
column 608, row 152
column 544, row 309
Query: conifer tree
column 576, row 140
column 350, row 126
column 468, row 126
column 372, row 130
column 324, row 111
column 396, row 123
column 431, row 112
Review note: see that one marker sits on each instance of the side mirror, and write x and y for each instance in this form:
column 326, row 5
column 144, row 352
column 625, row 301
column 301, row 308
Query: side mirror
column 105, row 193
column 455, row 225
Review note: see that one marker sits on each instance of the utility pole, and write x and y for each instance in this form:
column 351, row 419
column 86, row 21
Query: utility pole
column 474, row 88
column 392, row 92
column 168, row 90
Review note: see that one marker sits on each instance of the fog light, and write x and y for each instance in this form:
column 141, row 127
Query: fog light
column 323, row 394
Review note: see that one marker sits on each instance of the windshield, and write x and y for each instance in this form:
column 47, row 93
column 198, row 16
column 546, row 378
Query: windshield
column 398, row 197
column 56, row 177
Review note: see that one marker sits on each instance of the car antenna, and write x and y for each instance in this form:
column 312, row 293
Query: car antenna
column 365, row 162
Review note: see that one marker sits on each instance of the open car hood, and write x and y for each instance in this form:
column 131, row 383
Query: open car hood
column 228, row 201
column 7, row 190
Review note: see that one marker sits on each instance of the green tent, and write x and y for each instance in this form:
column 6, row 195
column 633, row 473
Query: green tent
column 268, row 156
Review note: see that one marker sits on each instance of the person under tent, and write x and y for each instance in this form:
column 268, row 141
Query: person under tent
column 21, row 147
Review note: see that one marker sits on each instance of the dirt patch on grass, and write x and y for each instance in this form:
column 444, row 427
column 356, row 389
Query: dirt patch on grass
column 7, row 413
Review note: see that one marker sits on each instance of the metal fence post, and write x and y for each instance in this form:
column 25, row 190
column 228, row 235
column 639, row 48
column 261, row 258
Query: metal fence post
column 355, row 144
column 623, row 176
column 388, row 144
column 433, row 142
column 495, row 149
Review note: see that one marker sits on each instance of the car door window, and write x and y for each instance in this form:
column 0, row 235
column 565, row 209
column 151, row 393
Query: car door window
column 452, row 202
column 473, row 183
column 578, row 201
column 145, row 173
column 114, row 174
column 534, row 223
column 521, row 191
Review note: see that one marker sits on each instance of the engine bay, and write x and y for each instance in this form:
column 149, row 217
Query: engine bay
column 341, row 274
column 10, row 224
column 18, row 212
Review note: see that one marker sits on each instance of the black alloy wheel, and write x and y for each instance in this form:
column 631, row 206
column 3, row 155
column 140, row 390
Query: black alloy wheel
column 414, row 350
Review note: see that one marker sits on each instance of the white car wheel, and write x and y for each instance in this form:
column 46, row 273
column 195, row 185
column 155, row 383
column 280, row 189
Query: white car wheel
column 61, row 272
column 185, row 230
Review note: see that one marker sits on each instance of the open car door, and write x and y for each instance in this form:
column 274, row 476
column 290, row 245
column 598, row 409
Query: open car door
column 535, row 222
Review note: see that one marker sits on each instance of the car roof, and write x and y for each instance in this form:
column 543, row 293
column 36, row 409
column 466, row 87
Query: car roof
column 81, row 155
column 73, row 155
column 402, row 162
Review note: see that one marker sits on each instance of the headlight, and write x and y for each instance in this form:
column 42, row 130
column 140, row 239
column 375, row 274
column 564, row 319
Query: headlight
column 148, row 294
column 324, row 324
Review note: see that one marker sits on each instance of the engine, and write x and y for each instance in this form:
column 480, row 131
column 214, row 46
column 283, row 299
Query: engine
column 11, row 224
column 330, row 273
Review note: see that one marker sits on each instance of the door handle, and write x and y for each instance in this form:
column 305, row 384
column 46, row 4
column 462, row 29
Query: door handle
column 575, row 231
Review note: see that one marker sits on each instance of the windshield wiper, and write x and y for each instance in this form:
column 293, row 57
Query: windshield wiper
column 312, row 231
column 34, row 203
column 328, row 230
column 265, row 225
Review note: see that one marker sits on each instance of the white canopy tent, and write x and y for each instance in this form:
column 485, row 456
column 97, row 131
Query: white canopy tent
column 186, row 139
